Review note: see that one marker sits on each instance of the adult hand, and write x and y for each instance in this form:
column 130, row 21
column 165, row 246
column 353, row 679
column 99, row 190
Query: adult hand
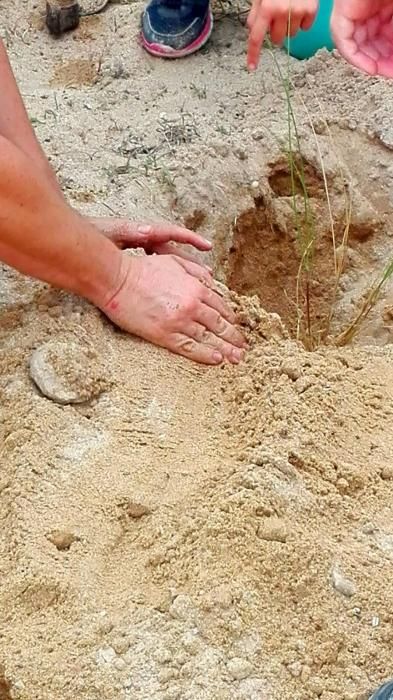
column 279, row 17
column 363, row 33
column 153, row 238
column 169, row 301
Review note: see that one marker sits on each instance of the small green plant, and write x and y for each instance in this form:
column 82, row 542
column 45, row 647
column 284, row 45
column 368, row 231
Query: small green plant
column 303, row 216
column 306, row 236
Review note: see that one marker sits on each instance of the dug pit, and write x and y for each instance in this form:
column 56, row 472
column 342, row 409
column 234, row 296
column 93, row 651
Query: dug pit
column 266, row 256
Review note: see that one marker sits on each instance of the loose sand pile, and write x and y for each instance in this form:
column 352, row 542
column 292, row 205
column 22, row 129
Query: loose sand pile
column 176, row 532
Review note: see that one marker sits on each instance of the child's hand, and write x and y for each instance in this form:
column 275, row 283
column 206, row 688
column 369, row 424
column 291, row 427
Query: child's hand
column 279, row 17
column 363, row 33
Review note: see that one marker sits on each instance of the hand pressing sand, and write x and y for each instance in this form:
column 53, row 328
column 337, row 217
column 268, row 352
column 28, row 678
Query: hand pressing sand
column 167, row 299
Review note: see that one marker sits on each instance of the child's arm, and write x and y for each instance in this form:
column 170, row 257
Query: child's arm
column 279, row 17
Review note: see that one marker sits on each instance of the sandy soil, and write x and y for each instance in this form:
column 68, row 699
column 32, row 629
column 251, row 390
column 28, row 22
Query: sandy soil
column 186, row 533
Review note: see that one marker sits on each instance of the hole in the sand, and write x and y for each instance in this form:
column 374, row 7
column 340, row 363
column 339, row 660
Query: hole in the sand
column 285, row 182
column 5, row 687
column 293, row 251
column 264, row 261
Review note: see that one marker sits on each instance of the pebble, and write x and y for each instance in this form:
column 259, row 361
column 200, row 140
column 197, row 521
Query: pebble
column 387, row 473
column 239, row 668
column 167, row 674
column 63, row 372
column 273, row 530
column 62, row 539
column 119, row 664
column 162, row 655
column 191, row 642
column 182, row 608
column 136, row 510
column 258, row 134
column 291, row 369
column 342, row 584
column 295, row 669
column 106, row 655
column 302, row 384
column 121, row 645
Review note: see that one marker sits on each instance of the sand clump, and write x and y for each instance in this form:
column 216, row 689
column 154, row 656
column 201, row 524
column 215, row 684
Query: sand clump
column 169, row 531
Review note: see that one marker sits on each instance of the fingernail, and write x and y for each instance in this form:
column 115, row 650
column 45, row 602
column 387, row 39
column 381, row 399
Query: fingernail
column 144, row 229
column 237, row 355
column 217, row 357
column 251, row 66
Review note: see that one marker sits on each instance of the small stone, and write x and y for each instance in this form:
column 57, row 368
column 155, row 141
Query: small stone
column 343, row 585
column 168, row 674
column 119, row 664
column 162, row 655
column 375, row 621
column 66, row 372
column 239, row 668
column 295, row 669
column 191, row 642
column 369, row 529
column 135, row 510
column 387, row 473
column 182, row 608
column 105, row 626
column 116, row 69
column 240, row 153
column 258, row 134
column 305, row 674
column 121, row 645
column 342, row 485
column 273, row 530
column 291, row 369
column 302, row 384
column 62, row 539
column 106, row 655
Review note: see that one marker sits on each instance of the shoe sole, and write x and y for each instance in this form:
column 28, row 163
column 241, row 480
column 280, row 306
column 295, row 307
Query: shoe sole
column 163, row 51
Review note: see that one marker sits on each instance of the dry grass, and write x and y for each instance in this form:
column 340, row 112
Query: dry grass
column 306, row 234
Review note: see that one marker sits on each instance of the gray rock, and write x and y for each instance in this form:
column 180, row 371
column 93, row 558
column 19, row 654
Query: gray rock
column 66, row 372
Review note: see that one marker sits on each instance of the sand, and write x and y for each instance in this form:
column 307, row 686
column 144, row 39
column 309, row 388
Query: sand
column 178, row 532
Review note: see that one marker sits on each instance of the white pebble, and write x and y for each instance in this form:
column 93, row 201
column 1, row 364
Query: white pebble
column 239, row 668
column 106, row 655
column 342, row 584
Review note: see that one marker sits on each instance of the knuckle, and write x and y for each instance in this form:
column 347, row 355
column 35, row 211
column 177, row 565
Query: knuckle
column 221, row 326
column 186, row 346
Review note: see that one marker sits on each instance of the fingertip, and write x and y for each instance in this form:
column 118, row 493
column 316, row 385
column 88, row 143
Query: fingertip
column 236, row 356
column 144, row 229
column 217, row 357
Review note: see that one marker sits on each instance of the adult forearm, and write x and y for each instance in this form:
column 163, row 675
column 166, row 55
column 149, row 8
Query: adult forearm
column 14, row 122
column 41, row 236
